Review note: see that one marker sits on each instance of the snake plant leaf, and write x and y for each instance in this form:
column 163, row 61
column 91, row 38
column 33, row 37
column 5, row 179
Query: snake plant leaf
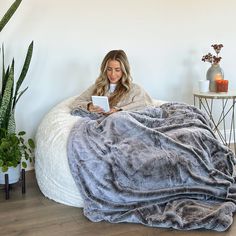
column 4, row 78
column 9, row 14
column 23, row 72
column 11, row 126
column 3, row 64
column 7, row 97
column 4, row 81
column 9, row 115
column 20, row 94
column 3, row 74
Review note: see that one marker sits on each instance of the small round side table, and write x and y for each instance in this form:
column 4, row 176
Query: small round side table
column 207, row 102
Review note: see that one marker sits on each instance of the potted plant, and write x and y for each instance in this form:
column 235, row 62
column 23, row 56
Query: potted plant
column 13, row 148
column 14, row 152
column 10, row 96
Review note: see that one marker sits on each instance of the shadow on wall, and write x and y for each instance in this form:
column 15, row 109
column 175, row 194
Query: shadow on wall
column 190, row 77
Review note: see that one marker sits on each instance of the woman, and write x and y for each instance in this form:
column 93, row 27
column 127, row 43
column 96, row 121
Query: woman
column 115, row 82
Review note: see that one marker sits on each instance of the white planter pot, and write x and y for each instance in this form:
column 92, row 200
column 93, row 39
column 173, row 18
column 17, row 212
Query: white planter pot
column 13, row 175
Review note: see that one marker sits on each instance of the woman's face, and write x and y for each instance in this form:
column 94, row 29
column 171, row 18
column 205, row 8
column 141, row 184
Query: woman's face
column 114, row 71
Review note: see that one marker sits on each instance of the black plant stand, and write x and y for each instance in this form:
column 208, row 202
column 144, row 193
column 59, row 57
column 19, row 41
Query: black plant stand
column 7, row 185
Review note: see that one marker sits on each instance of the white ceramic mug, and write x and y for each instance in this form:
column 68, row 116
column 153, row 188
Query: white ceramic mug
column 203, row 86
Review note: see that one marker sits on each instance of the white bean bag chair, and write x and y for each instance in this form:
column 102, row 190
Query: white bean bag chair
column 51, row 166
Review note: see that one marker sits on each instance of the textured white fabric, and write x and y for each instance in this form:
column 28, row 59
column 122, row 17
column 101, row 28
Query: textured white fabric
column 51, row 166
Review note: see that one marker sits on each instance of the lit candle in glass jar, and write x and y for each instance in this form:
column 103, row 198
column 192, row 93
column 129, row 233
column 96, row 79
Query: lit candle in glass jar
column 218, row 77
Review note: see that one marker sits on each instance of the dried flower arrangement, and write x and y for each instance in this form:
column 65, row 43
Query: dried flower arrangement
column 213, row 59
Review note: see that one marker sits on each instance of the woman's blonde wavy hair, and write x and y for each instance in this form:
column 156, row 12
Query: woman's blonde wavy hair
column 102, row 82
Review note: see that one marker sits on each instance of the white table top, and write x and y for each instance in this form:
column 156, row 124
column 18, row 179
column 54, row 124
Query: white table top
column 216, row 95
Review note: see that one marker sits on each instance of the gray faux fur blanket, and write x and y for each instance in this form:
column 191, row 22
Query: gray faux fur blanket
column 160, row 167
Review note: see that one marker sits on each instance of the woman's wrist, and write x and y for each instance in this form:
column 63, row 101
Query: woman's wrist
column 117, row 108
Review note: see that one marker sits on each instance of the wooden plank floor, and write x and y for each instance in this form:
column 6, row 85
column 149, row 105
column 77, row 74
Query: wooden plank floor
column 34, row 215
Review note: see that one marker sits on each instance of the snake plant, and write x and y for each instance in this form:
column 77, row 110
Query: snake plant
column 9, row 14
column 10, row 93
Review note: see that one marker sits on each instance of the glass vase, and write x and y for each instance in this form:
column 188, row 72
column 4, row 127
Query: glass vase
column 213, row 73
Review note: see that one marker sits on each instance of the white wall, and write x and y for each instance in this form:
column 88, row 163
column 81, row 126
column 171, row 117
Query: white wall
column 164, row 40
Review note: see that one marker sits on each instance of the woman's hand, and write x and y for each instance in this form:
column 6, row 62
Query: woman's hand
column 113, row 110
column 96, row 109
